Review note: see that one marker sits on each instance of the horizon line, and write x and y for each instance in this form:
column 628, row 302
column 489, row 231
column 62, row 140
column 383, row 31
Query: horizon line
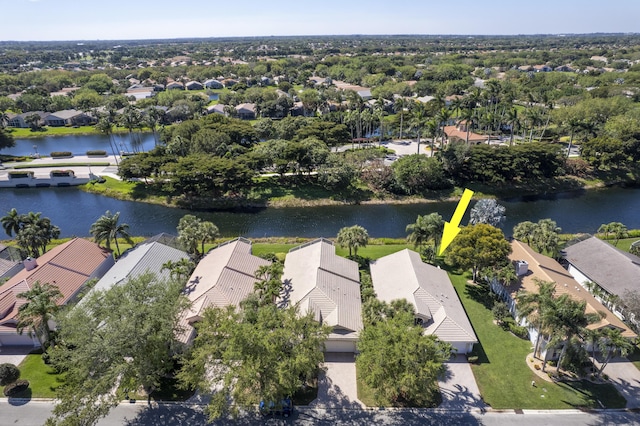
column 326, row 35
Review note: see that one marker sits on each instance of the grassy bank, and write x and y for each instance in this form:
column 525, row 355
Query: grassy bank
column 19, row 133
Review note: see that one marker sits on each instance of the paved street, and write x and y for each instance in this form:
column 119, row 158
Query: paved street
column 34, row 413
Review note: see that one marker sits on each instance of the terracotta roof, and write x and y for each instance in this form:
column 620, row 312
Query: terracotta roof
column 67, row 266
column 324, row 283
column 456, row 132
column 403, row 275
column 546, row 269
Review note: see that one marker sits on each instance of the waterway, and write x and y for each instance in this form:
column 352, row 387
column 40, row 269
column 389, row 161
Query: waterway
column 80, row 144
column 74, row 211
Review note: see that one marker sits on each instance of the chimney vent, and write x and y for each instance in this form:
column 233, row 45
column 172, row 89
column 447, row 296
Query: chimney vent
column 30, row 264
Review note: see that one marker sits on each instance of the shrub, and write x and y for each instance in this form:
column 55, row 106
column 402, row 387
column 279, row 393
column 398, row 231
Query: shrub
column 537, row 367
column 20, row 174
column 472, row 359
column 520, row 332
column 9, row 373
column 61, row 173
column 97, row 152
column 13, row 389
column 605, row 376
column 59, row 154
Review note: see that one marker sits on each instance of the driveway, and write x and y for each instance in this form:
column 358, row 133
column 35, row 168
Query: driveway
column 337, row 384
column 626, row 378
column 458, row 386
column 14, row 354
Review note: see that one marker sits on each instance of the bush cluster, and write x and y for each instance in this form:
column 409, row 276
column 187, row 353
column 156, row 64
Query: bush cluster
column 15, row 388
column 61, row 154
column 9, row 373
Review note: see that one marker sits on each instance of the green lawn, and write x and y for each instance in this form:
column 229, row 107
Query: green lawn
column 502, row 375
column 372, row 251
column 625, row 243
column 634, row 357
column 43, row 381
column 60, row 131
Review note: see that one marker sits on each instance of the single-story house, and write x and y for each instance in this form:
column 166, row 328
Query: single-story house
column 194, row 85
column 459, row 133
column 68, row 266
column 175, row 85
column 229, row 82
column 213, row 84
column 68, row 117
column 532, row 266
column 225, row 276
column 319, row 281
column 246, row 111
column 141, row 92
column 403, row 275
column 217, row 109
column 148, row 256
column 613, row 271
column 20, row 121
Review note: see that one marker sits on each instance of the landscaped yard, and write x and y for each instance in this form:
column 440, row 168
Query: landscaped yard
column 43, row 380
column 502, row 375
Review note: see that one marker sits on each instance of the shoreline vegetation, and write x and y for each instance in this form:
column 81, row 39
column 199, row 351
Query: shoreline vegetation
column 276, row 194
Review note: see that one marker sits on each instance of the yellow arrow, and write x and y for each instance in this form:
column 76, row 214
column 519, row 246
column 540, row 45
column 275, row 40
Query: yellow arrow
column 452, row 228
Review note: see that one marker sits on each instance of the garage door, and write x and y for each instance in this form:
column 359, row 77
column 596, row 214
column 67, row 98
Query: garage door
column 340, row 346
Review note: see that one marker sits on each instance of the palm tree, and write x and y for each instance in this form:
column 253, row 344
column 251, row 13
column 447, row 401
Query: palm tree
column 426, row 228
column 398, row 106
column 513, row 121
column 104, row 126
column 418, row 119
column 107, row 229
column 534, row 306
column 11, row 222
column 443, row 117
column 611, row 344
column 269, row 284
column 208, row 233
column 353, row 237
column 617, row 229
column 38, row 309
column 180, row 270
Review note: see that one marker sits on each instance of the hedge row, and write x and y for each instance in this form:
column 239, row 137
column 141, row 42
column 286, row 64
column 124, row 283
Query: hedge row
column 59, row 154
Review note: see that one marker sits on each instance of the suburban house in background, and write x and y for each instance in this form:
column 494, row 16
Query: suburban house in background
column 403, row 275
column 148, row 256
column 21, row 121
column 246, row 111
column 175, row 85
column 194, row 85
column 68, row 117
column 327, row 285
column 459, row 133
column 68, row 266
column 217, row 109
column 532, row 266
column 225, row 276
column 612, row 271
column 213, row 84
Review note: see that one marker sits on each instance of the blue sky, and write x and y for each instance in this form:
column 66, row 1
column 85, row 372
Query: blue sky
column 144, row 19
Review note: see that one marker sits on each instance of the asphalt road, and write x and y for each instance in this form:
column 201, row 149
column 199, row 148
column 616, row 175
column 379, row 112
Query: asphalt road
column 34, row 413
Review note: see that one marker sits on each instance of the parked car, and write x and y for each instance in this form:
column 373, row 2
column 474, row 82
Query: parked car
column 283, row 408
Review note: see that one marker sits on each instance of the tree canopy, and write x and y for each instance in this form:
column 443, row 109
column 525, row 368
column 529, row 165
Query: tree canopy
column 257, row 352
column 478, row 246
column 116, row 340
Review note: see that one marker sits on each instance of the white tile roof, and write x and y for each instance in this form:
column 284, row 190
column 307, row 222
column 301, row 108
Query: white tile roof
column 325, row 284
column 403, row 275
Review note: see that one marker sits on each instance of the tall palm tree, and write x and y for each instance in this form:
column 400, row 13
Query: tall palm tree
column 398, row 106
column 534, row 307
column 426, row 228
column 443, row 117
column 611, row 344
column 513, row 121
column 418, row 120
column 208, row 233
column 38, row 309
column 104, row 126
column 107, row 229
column 11, row 222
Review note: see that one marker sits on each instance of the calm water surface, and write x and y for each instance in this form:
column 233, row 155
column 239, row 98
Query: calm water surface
column 74, row 211
column 80, row 144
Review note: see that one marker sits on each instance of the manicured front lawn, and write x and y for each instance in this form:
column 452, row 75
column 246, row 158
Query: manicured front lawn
column 43, row 380
column 502, row 375
column 372, row 251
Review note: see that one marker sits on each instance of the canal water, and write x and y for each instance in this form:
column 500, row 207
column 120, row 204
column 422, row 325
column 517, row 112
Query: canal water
column 74, row 211
column 80, row 144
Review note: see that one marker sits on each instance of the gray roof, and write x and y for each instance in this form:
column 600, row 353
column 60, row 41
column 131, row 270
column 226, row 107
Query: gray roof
column 146, row 257
column 612, row 269
column 403, row 275
column 65, row 114
column 324, row 283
